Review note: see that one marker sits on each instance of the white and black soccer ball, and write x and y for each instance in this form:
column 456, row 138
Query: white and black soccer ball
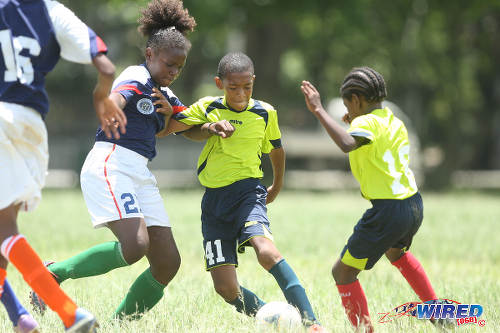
column 278, row 316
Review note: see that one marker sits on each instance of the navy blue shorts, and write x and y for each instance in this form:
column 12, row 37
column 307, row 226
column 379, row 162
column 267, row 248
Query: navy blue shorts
column 388, row 224
column 231, row 216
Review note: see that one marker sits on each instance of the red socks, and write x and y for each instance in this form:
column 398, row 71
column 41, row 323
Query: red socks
column 3, row 275
column 414, row 273
column 17, row 250
column 354, row 302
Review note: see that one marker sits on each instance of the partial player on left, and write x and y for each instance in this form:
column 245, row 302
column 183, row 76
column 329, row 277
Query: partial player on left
column 34, row 35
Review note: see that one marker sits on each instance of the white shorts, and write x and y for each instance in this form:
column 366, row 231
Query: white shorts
column 117, row 184
column 24, row 156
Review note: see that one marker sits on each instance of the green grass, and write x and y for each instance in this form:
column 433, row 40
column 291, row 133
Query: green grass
column 458, row 245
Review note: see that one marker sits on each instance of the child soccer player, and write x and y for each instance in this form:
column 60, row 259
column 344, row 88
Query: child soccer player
column 378, row 147
column 239, row 130
column 34, row 35
column 119, row 190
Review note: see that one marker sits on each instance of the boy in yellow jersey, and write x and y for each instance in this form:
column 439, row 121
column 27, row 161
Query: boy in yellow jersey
column 239, row 130
column 378, row 147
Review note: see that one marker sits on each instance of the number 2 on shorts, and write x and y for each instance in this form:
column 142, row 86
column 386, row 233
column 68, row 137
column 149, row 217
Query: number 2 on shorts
column 209, row 252
column 129, row 205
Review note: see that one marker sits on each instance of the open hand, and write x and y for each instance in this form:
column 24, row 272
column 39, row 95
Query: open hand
column 164, row 106
column 311, row 94
column 110, row 116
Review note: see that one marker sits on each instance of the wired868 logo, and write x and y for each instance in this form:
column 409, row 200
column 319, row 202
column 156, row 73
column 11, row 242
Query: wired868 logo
column 445, row 309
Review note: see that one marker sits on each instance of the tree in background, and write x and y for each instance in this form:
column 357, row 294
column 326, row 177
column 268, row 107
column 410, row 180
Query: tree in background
column 440, row 60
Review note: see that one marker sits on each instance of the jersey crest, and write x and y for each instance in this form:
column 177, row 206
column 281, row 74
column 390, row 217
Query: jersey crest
column 145, row 106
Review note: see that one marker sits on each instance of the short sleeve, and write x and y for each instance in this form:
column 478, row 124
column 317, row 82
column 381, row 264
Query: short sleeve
column 129, row 88
column 78, row 42
column 272, row 136
column 193, row 115
column 363, row 127
column 175, row 102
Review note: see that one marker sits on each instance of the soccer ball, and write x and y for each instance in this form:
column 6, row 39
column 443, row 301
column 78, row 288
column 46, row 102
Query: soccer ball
column 280, row 316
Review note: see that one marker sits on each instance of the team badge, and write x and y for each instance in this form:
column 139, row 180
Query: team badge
column 145, row 106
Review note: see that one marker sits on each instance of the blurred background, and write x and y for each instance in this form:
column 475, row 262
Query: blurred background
column 440, row 60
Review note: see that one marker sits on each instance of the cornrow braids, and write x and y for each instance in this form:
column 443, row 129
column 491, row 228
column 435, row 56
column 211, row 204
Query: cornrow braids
column 234, row 62
column 166, row 24
column 364, row 81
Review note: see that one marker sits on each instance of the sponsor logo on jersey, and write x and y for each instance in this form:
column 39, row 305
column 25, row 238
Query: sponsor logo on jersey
column 234, row 121
column 145, row 106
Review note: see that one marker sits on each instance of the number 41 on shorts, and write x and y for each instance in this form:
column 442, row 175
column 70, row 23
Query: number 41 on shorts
column 209, row 254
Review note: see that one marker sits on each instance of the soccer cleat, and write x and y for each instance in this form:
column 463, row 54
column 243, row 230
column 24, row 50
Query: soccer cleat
column 26, row 324
column 316, row 328
column 85, row 322
column 39, row 305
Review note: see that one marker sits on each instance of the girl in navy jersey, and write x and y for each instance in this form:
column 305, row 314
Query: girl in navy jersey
column 34, row 35
column 119, row 190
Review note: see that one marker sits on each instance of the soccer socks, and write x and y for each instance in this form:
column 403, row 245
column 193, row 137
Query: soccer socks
column 3, row 275
column 97, row 260
column 11, row 304
column 247, row 302
column 17, row 250
column 414, row 273
column 355, row 305
column 144, row 293
column 294, row 293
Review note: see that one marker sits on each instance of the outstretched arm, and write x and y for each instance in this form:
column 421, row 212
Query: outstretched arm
column 222, row 128
column 109, row 114
column 197, row 133
column 342, row 138
column 173, row 126
column 277, row 157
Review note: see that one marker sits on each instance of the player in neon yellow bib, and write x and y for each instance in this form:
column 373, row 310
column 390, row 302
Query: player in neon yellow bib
column 238, row 130
column 378, row 147
column 223, row 162
column 386, row 175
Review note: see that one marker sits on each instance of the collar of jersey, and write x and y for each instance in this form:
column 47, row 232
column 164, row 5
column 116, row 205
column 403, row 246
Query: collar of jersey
column 381, row 112
column 250, row 105
column 150, row 77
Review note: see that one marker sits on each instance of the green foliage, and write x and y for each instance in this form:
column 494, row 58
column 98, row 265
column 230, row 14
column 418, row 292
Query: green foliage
column 456, row 245
column 439, row 58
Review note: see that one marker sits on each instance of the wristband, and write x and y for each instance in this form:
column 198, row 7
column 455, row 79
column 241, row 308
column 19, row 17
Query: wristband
column 208, row 128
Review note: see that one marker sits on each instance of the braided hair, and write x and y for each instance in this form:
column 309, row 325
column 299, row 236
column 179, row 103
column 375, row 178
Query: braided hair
column 234, row 62
column 364, row 81
column 166, row 24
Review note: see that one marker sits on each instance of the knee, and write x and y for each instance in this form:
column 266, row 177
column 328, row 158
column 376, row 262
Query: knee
column 165, row 270
column 133, row 251
column 343, row 274
column 268, row 257
column 336, row 272
column 227, row 291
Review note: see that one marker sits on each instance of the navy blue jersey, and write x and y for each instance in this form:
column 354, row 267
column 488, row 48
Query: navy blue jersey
column 34, row 34
column 143, row 122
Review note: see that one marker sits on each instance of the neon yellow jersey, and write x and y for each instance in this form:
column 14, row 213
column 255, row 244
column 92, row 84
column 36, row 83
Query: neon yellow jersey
column 224, row 161
column 382, row 165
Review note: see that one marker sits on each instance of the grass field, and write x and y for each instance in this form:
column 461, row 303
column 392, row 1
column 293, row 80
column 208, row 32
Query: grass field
column 458, row 244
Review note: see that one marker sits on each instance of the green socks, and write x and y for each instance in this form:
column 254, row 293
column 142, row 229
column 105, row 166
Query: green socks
column 247, row 302
column 97, row 260
column 144, row 293
column 293, row 290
